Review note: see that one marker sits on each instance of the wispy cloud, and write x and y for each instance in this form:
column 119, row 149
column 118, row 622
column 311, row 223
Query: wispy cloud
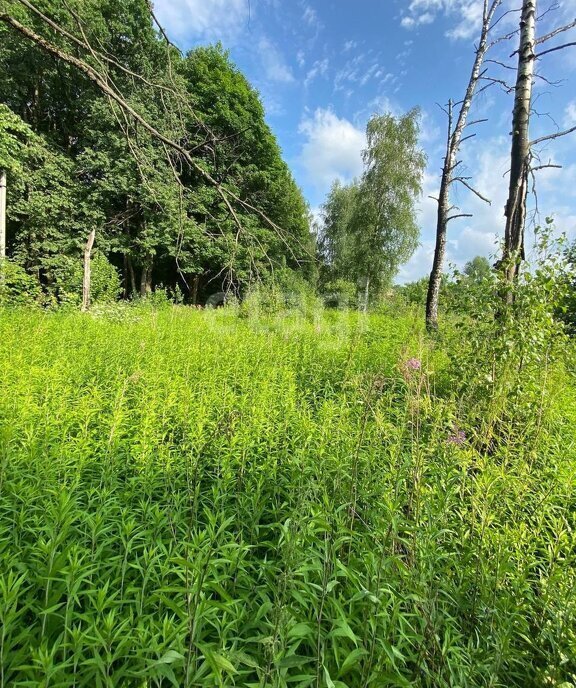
column 310, row 16
column 570, row 114
column 319, row 68
column 467, row 15
column 203, row 20
column 275, row 67
column 358, row 71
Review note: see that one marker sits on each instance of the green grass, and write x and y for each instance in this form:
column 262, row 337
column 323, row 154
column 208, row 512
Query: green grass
column 194, row 499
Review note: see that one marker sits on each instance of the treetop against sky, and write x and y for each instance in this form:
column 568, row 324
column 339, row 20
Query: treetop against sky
column 324, row 66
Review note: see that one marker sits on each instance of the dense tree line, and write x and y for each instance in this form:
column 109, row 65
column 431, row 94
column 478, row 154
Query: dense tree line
column 76, row 162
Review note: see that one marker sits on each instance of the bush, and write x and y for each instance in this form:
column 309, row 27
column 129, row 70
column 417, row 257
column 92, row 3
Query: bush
column 68, row 274
column 340, row 293
column 17, row 287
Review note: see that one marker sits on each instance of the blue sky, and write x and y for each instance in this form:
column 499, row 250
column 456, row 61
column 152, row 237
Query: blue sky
column 323, row 67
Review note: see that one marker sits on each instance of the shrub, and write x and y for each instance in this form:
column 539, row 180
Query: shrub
column 17, row 287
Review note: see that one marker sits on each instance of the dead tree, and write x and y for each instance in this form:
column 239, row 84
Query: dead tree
column 521, row 149
column 87, row 270
column 454, row 140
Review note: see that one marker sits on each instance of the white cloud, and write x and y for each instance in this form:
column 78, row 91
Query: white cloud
column 301, row 58
column 570, row 114
column 202, row 20
column 466, row 13
column 275, row 68
column 359, row 70
column 470, row 21
column 419, row 265
column 319, row 68
column 332, row 150
column 310, row 16
column 350, row 45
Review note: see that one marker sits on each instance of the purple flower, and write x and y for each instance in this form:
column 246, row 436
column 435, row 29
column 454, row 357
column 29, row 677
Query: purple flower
column 458, row 437
column 413, row 364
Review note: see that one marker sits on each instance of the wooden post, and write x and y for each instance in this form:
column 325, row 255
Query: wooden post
column 86, row 280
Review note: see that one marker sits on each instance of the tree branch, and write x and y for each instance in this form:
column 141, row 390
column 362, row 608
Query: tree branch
column 550, row 35
column 543, row 167
column 463, row 181
column 225, row 194
column 552, row 50
column 549, row 137
column 453, row 217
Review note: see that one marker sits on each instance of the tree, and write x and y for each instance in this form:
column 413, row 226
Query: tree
column 521, row 148
column 520, row 151
column 370, row 225
column 455, row 138
column 336, row 241
column 477, row 269
column 384, row 227
column 170, row 157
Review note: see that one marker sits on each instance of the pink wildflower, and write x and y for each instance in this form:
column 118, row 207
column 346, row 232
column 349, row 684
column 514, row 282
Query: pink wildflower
column 458, row 437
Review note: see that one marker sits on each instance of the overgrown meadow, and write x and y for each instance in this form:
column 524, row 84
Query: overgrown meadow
column 323, row 499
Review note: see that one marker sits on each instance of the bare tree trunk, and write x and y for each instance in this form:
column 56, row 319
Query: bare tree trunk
column 132, row 276
column 435, row 280
column 146, row 279
column 454, row 140
column 520, row 151
column 366, row 295
column 2, row 214
column 87, row 270
column 194, row 294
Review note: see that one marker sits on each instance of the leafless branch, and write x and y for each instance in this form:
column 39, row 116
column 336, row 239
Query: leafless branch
column 453, row 217
column 555, row 84
column 501, row 82
column 550, row 137
column 503, row 16
column 550, row 35
column 502, row 64
column 476, row 121
column 543, row 167
column 463, row 181
column 552, row 50
column 161, row 28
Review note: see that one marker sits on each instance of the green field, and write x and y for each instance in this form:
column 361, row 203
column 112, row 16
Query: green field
column 195, row 499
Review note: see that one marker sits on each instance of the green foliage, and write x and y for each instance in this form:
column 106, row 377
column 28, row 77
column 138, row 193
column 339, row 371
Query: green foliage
column 459, row 291
column 17, row 288
column 415, row 292
column 340, row 293
column 68, row 273
column 567, row 307
column 508, row 349
column 369, row 227
column 189, row 498
column 76, row 162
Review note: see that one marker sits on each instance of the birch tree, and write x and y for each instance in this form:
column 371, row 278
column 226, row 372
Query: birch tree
column 521, row 149
column 457, row 123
